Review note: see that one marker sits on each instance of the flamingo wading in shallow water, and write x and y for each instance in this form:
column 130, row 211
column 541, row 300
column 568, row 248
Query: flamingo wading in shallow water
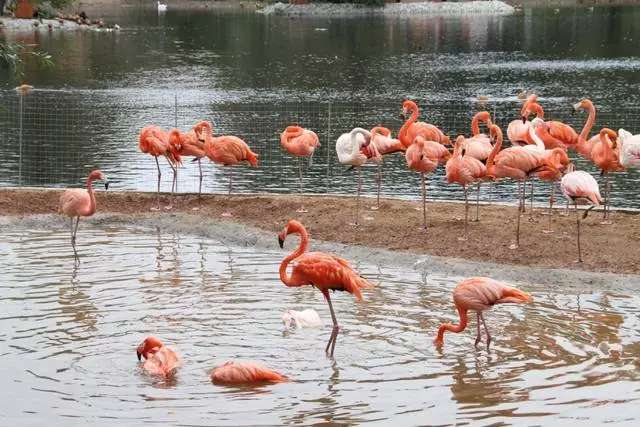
column 479, row 294
column 322, row 271
column 300, row 142
column 77, row 202
column 579, row 188
column 160, row 360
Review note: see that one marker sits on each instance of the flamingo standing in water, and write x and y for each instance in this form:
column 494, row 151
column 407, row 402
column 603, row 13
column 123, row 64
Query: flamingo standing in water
column 77, row 202
column 300, row 142
column 629, row 149
column 479, row 147
column 160, row 359
column 423, row 156
column 411, row 128
column 580, row 188
column 233, row 372
column 322, row 271
column 463, row 169
column 349, row 148
column 227, row 150
column 155, row 141
column 480, row 294
column 514, row 162
column 188, row 144
column 606, row 156
column 385, row 145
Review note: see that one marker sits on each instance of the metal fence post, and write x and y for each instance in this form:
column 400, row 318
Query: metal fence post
column 328, row 146
column 175, row 110
column 20, row 141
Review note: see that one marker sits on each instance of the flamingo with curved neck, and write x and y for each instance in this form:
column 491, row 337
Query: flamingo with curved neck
column 412, row 128
column 558, row 134
column 585, row 146
column 300, row 142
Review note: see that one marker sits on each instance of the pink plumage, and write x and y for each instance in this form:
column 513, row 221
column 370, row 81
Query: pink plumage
column 232, row 372
column 580, row 187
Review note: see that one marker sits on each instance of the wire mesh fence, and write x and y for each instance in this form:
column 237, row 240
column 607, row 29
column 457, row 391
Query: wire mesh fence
column 54, row 138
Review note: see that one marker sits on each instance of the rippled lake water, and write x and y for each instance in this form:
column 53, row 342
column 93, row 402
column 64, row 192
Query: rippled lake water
column 68, row 336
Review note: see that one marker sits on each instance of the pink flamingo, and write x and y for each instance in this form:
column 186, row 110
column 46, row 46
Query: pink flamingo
column 160, row 360
column 226, row 150
column 188, row 145
column 77, row 202
column 629, row 149
column 320, row 270
column 300, row 142
column 479, row 294
column 233, row 372
column 411, row 128
column 606, row 156
column 385, row 144
column 580, row 188
column 558, row 134
column 423, row 156
column 585, row 144
column 463, row 169
column 155, row 141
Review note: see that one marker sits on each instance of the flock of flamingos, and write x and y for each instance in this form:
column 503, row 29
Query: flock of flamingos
column 539, row 149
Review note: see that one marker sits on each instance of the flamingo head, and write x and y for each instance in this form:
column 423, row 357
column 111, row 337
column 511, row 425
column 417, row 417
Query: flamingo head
column 582, row 105
column 98, row 175
column 446, row 140
column 198, row 129
column 569, row 168
column 174, row 139
column 495, row 133
column 149, row 346
column 407, row 106
column 292, row 227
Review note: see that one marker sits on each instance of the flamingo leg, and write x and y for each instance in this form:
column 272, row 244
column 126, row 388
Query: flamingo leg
column 516, row 245
column 301, row 209
column 359, row 188
column 157, row 208
column 478, row 337
column 466, row 214
column 578, row 227
column 73, row 239
column 486, row 330
column 174, row 183
column 379, row 183
column 531, row 218
column 200, row 183
column 227, row 213
column 606, row 217
column 477, row 204
column 551, row 199
column 424, row 202
column 336, row 328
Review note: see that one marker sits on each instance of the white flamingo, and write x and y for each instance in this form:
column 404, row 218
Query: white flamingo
column 349, row 149
column 580, row 188
column 629, row 149
column 162, row 7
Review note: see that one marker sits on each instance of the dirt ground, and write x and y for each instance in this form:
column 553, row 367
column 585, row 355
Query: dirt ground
column 395, row 226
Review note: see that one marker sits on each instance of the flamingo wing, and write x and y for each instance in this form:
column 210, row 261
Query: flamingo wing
column 74, row 202
column 153, row 140
column 481, row 293
column 232, row 372
column 163, row 362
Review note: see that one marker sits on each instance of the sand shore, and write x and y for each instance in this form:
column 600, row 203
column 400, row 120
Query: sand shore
column 396, row 226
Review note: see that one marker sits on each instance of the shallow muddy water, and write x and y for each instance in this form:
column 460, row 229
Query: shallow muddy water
column 68, row 336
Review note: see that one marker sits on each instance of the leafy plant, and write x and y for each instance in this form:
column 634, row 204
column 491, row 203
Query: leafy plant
column 45, row 10
column 12, row 56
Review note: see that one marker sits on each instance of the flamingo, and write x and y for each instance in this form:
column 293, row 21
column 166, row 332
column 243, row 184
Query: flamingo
column 515, row 162
column 308, row 318
column 606, row 156
column 188, row 144
column 160, row 359
column 233, row 372
column 320, row 270
column 584, row 146
column 227, row 150
column 559, row 135
column 410, row 129
column 480, row 294
column 629, row 149
column 478, row 146
column 385, row 145
column 349, row 148
column 300, row 142
column 580, row 188
column 464, row 170
column 155, row 141
column 423, row 156
column 77, row 202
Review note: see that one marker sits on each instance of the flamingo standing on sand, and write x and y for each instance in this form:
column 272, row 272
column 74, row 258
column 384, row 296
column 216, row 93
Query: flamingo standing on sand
column 464, row 170
column 155, row 141
column 188, row 144
column 227, row 150
column 629, row 149
column 77, row 202
column 606, row 156
column 585, row 144
column 160, row 359
column 300, row 142
column 241, row 372
column 411, row 128
column 480, row 294
column 558, row 135
column 385, row 144
column 322, row 271
column 580, row 188
column 349, row 148
column 423, row 156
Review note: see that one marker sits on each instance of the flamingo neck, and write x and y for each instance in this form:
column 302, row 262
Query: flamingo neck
column 92, row 197
column 607, row 152
column 404, row 130
column 354, row 138
column 538, row 110
column 304, row 241
column 533, row 136
column 582, row 146
column 464, row 320
column 492, row 155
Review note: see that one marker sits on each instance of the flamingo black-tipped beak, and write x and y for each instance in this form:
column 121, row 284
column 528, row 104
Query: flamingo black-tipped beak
column 106, row 185
column 139, row 355
column 524, row 119
column 421, row 156
column 281, row 242
column 402, row 116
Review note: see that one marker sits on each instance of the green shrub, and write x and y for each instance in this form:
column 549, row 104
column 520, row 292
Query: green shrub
column 44, row 10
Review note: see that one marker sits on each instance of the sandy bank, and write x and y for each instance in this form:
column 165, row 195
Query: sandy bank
column 22, row 25
column 395, row 227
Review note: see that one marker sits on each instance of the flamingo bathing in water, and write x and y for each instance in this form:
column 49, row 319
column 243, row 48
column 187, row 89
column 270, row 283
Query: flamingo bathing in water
column 479, row 294
column 322, row 271
column 300, row 142
column 241, row 372
column 77, row 202
column 160, row 359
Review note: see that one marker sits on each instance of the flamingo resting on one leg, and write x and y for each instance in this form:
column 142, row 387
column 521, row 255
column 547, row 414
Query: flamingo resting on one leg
column 300, row 142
